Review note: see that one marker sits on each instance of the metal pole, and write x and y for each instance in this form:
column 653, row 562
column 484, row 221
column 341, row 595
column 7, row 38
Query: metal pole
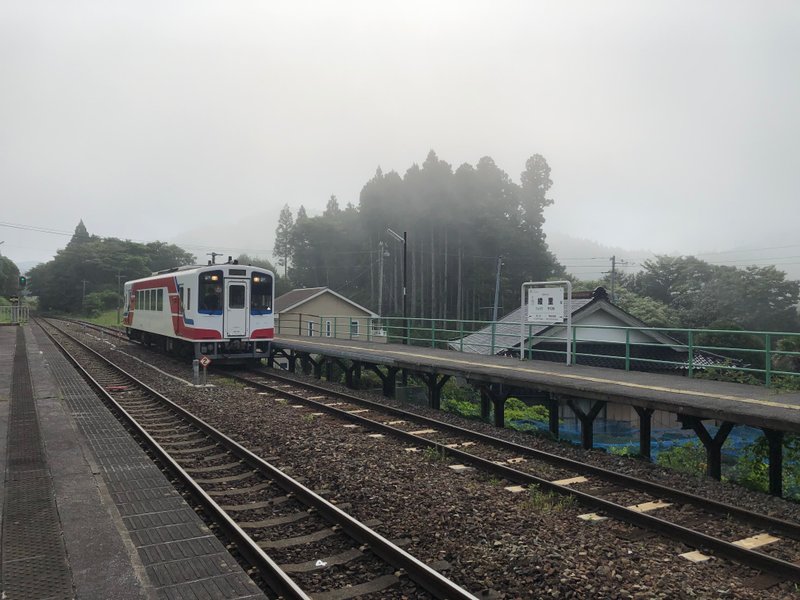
column 119, row 295
column 404, row 239
column 497, row 288
column 613, row 273
column 380, row 281
column 405, row 275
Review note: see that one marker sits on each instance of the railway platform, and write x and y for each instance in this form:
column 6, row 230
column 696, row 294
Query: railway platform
column 584, row 389
column 85, row 512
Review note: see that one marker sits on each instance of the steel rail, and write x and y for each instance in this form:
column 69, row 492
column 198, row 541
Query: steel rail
column 719, row 546
column 430, row 579
column 787, row 527
column 275, row 577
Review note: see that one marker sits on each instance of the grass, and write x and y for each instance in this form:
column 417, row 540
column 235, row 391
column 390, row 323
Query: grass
column 547, row 502
column 107, row 318
column 435, row 454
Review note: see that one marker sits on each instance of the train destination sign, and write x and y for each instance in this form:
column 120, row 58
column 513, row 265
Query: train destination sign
column 546, row 305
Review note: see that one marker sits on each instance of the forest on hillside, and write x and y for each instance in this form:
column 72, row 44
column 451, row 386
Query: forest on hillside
column 458, row 223
column 461, row 225
column 87, row 274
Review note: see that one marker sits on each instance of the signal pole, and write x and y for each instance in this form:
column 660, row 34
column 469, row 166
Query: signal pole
column 119, row 295
column 83, row 298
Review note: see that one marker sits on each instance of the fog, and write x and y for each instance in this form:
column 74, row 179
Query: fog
column 670, row 127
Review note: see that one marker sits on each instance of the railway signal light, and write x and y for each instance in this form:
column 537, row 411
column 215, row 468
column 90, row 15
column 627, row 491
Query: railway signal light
column 23, row 281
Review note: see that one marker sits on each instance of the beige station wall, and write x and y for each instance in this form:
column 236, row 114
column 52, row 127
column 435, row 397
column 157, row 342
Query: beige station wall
column 328, row 316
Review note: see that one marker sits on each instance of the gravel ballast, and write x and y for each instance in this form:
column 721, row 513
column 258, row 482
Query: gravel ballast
column 495, row 543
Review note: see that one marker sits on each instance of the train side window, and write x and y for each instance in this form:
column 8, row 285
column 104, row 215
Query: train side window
column 145, row 298
column 180, row 297
column 260, row 293
column 189, row 299
column 160, row 299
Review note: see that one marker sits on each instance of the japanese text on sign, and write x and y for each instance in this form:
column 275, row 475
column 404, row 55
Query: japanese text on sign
column 546, row 305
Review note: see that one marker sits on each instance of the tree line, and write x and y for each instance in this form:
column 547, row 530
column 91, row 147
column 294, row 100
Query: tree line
column 686, row 292
column 87, row 275
column 9, row 277
column 458, row 224
column 465, row 225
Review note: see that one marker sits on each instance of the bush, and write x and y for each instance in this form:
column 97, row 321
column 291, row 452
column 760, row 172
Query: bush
column 687, row 458
column 752, row 467
column 461, row 400
column 519, row 415
column 97, row 302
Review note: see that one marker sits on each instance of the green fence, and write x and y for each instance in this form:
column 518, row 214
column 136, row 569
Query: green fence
column 14, row 314
column 768, row 357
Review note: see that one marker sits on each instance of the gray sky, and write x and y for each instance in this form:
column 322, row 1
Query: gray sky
column 669, row 126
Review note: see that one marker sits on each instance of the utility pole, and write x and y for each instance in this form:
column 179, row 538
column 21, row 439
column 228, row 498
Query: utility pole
column 119, row 295
column 83, row 298
column 383, row 253
column 214, row 256
column 622, row 262
column 613, row 275
column 497, row 288
column 403, row 239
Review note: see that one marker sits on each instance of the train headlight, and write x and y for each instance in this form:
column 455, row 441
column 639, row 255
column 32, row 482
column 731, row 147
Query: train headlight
column 214, row 277
column 256, row 279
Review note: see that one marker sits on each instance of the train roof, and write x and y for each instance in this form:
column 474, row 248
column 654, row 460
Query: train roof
column 188, row 269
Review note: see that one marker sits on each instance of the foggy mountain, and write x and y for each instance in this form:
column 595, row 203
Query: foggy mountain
column 583, row 258
column 588, row 259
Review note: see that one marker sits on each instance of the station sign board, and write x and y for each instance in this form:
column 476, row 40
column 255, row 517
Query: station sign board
column 546, row 305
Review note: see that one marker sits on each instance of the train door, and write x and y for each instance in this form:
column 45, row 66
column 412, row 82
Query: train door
column 235, row 308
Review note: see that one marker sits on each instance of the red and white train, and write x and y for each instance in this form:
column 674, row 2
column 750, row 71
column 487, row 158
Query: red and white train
column 220, row 311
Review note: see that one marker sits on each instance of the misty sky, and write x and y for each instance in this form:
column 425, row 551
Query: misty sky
column 669, row 126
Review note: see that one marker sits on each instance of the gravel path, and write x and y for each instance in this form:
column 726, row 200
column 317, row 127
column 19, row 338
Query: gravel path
column 495, row 543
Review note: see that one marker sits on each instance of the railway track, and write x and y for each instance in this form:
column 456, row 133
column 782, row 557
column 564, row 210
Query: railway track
column 755, row 540
column 301, row 545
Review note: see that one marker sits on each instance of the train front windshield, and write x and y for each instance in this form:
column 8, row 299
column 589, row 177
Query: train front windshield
column 210, row 296
column 260, row 294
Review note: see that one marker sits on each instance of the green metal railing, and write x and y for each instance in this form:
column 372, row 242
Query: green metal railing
column 14, row 314
column 765, row 355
